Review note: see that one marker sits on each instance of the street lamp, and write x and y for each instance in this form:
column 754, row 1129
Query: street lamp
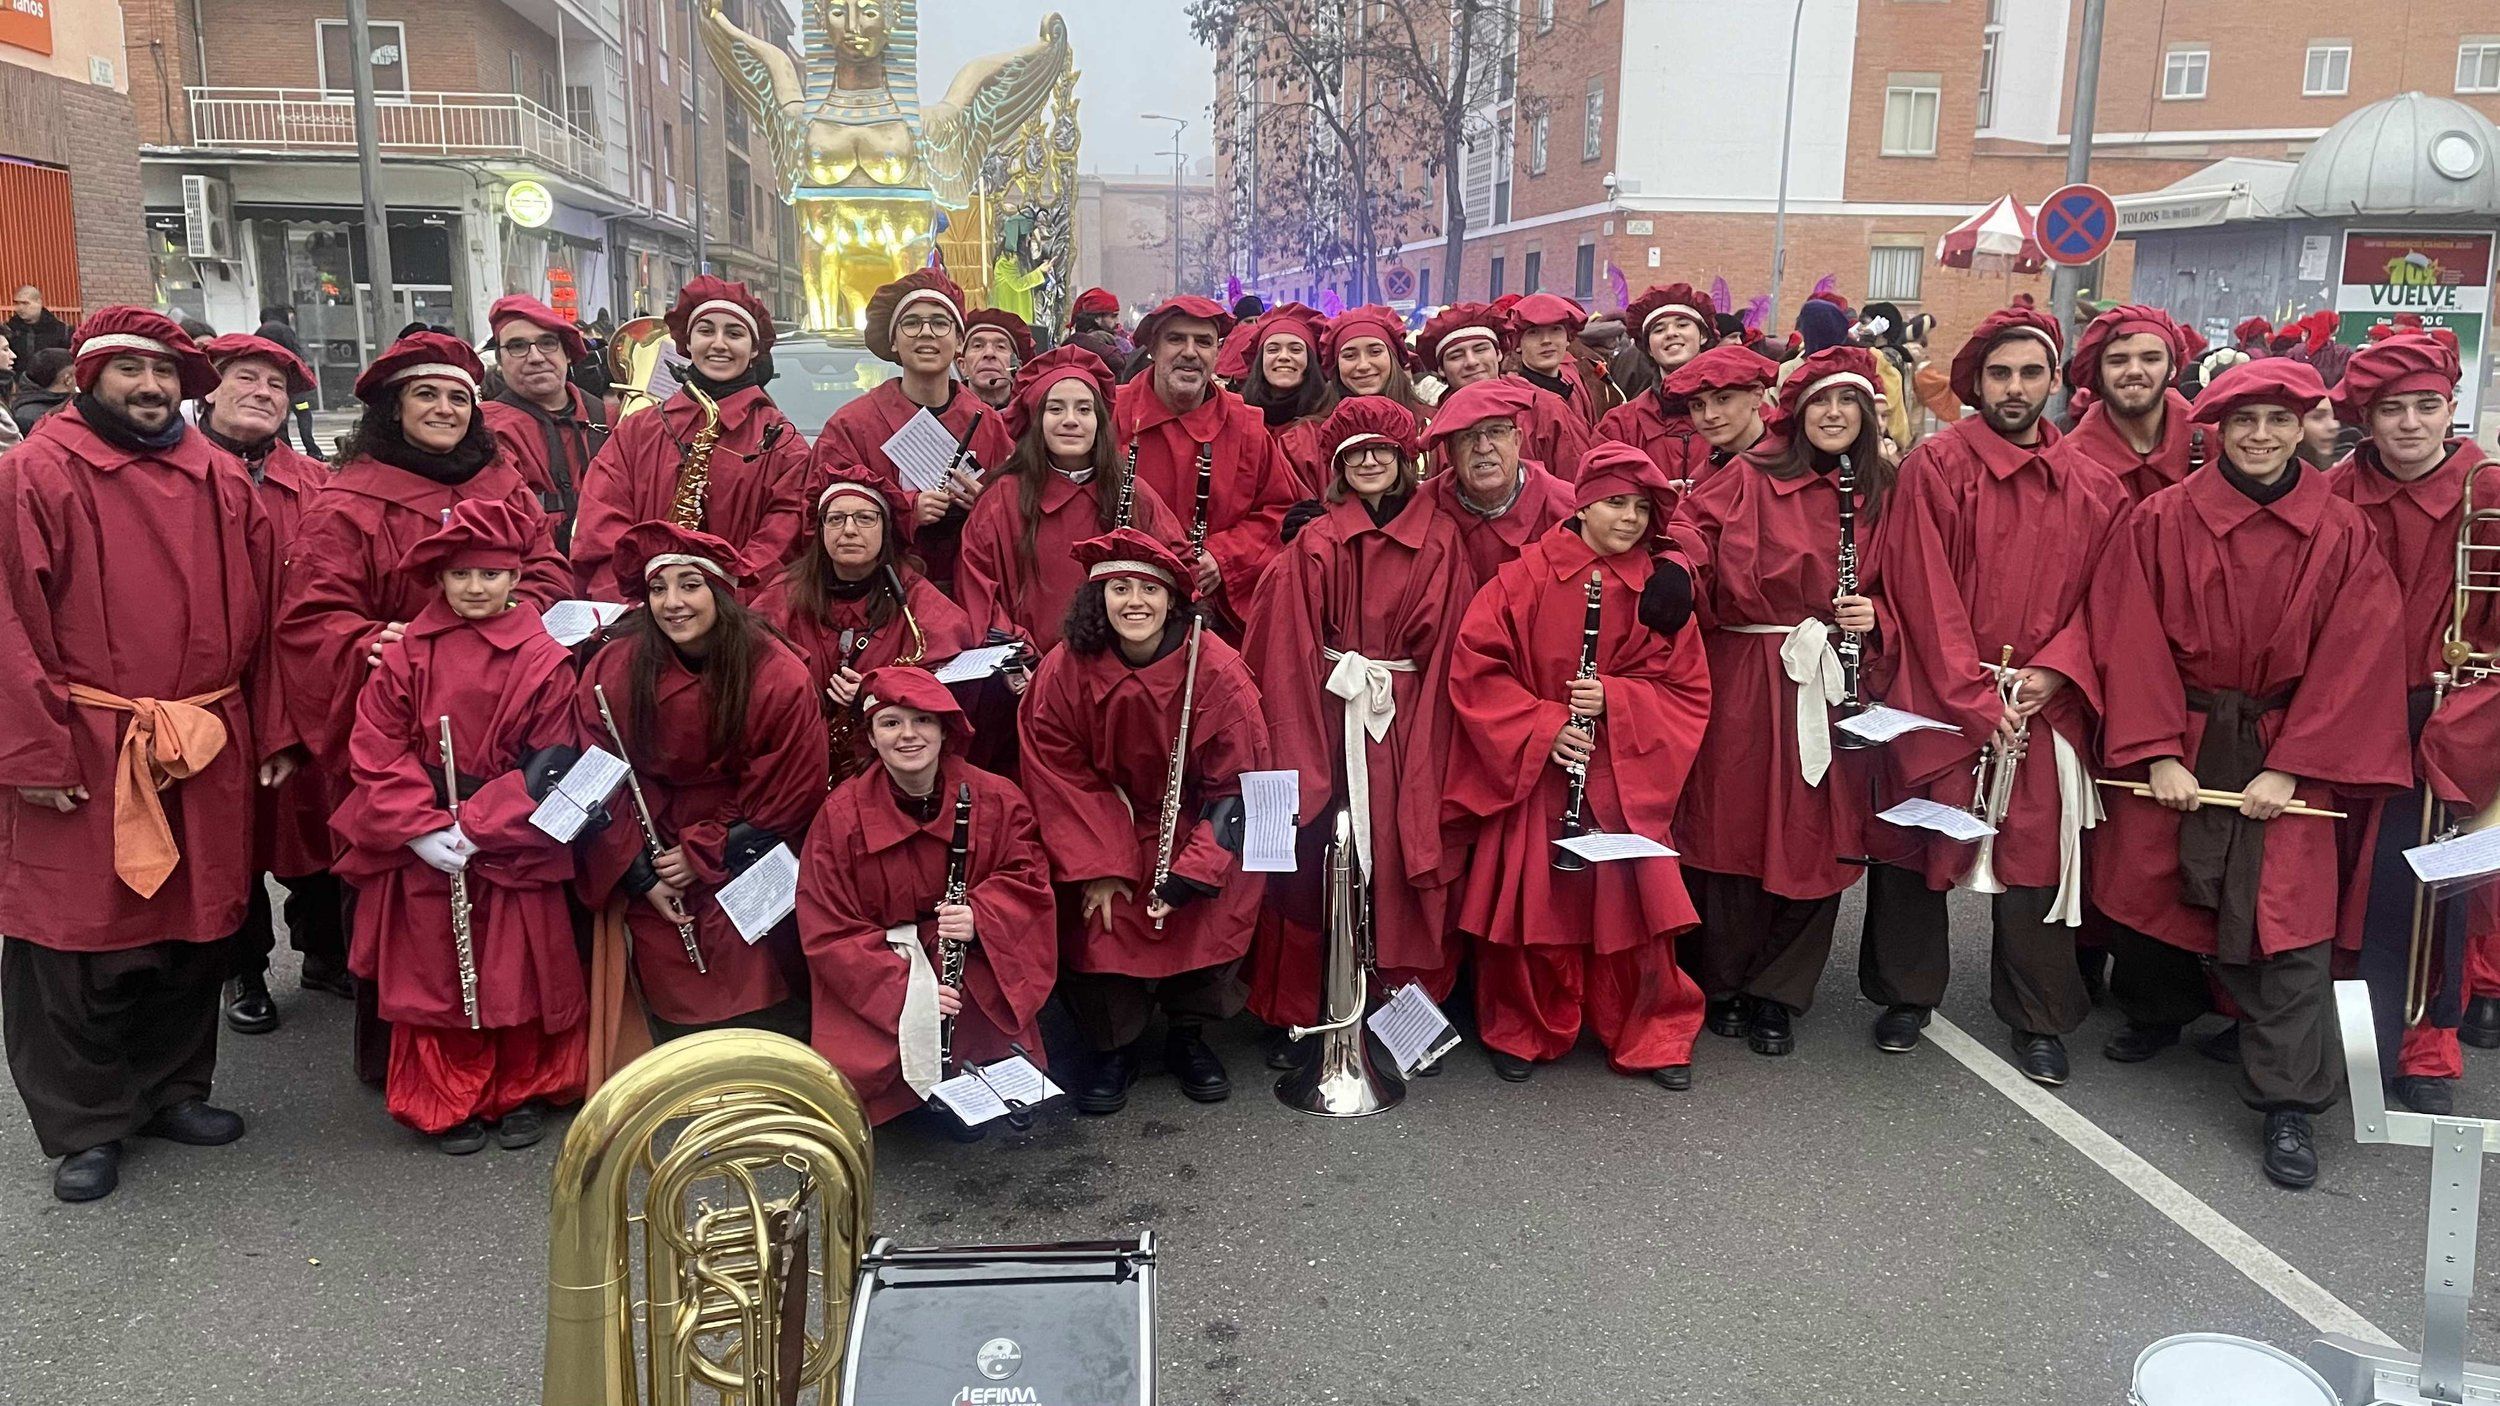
column 1779, row 222
column 1178, row 125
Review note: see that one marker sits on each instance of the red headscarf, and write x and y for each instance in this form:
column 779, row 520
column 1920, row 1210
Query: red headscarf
column 2273, row 380
column 904, row 686
column 861, row 481
column 1672, row 300
column 1547, row 310
column 1610, row 469
column 485, row 533
column 124, row 331
column 521, row 307
column 1035, row 378
column 243, row 346
column 420, row 356
column 1019, row 332
column 1184, row 305
column 921, row 285
column 2083, row 370
column 1832, row 366
column 1289, row 320
column 2020, row 320
column 646, row 547
column 1370, row 320
column 1125, row 552
column 710, row 294
column 2399, row 364
column 1093, row 300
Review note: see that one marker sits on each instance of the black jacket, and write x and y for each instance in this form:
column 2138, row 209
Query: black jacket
column 33, row 405
column 28, row 338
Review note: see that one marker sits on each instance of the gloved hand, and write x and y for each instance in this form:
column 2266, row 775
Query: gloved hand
column 1299, row 516
column 447, row 849
column 1667, row 601
column 542, row 769
column 745, row 845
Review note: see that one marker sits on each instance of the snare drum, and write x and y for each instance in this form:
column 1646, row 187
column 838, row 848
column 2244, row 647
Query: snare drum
column 2212, row 1369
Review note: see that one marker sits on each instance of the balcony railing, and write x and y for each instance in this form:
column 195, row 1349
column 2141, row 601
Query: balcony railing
column 411, row 124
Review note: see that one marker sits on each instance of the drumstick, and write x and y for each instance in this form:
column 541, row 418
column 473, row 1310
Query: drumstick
column 2227, row 798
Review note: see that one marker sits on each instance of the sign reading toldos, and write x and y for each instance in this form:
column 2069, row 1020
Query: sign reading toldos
column 2440, row 276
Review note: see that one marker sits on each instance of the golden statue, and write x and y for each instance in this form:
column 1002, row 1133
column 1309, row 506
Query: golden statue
column 879, row 182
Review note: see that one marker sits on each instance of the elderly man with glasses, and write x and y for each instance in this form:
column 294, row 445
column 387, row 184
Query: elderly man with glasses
column 546, row 425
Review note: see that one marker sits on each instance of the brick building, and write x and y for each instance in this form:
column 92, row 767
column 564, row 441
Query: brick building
column 69, row 161
column 1644, row 135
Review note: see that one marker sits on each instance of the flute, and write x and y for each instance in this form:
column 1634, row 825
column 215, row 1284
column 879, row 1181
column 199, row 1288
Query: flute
column 463, row 937
column 1176, row 770
column 1590, row 624
column 2219, row 798
column 650, row 831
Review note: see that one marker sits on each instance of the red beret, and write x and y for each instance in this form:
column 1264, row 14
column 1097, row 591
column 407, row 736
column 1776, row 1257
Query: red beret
column 1370, row 320
column 521, row 307
column 1095, row 300
column 646, row 547
column 420, row 356
column 1232, row 360
column 1127, row 552
column 1610, row 468
column 2083, row 370
column 1035, row 378
column 1832, row 366
column 1019, row 332
column 243, row 346
column 2273, row 380
column 904, row 686
column 2399, row 364
column 487, row 533
column 125, row 331
column 1674, row 299
column 1723, row 368
column 1546, row 310
column 2019, row 320
column 1367, row 419
column 860, row 480
column 1290, row 320
column 1185, row 305
column 921, row 285
column 1459, row 322
column 2252, row 329
column 710, row 294
column 1493, row 398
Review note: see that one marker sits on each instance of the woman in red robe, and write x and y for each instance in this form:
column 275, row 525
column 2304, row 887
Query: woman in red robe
column 873, row 915
column 1366, row 355
column 1351, row 641
column 1555, row 949
column 720, row 725
column 754, row 496
column 1100, row 725
column 1771, row 806
column 483, row 660
column 1286, row 386
column 850, row 604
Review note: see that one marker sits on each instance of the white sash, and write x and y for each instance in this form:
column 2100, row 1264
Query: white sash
column 1370, row 705
column 916, row 1035
column 1814, row 667
column 2078, row 810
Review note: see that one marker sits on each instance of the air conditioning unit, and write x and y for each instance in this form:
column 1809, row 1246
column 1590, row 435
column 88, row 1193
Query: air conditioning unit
column 208, row 218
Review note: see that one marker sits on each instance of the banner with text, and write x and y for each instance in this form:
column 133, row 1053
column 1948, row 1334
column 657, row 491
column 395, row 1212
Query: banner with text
column 2440, row 276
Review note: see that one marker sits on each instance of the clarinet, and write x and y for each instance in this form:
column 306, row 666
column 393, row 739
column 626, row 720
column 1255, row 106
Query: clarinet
column 951, row 954
column 463, row 938
column 1852, row 648
column 1128, row 490
column 1564, row 859
column 963, row 448
column 1206, row 487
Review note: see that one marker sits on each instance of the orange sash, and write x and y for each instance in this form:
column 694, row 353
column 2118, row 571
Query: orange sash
column 166, row 742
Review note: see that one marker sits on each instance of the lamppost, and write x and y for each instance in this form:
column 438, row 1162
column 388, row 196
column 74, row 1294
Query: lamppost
column 1779, row 222
column 1178, row 125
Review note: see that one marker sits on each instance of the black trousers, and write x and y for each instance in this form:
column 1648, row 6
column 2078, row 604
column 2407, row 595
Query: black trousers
column 99, row 1041
column 304, row 428
column 1111, row 1009
column 316, row 924
column 2290, row 1054
column 1905, row 953
column 1752, row 942
column 788, row 1017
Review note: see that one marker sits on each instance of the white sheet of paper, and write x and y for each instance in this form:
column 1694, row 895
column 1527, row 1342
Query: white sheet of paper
column 1596, row 848
column 558, row 818
column 978, row 663
column 762, row 896
column 1881, row 724
column 1268, row 799
column 1413, row 1029
column 572, row 621
column 1015, row 1077
column 2449, row 861
column 921, row 450
column 577, row 793
column 1952, row 822
column 971, row 1099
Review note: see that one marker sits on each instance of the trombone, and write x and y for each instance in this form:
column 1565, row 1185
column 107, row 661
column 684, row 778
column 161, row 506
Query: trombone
column 2477, row 575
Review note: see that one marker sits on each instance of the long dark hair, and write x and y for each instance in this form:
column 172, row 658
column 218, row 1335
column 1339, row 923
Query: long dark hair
column 812, row 575
column 738, row 638
column 1400, row 387
column 1086, row 629
column 1794, row 456
column 1031, row 467
column 1316, row 396
column 378, row 436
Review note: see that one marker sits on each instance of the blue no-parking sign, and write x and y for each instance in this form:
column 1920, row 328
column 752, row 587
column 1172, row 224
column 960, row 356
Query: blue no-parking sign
column 2076, row 224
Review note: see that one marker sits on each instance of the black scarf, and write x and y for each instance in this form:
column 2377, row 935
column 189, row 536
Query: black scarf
column 839, row 589
column 1556, row 384
column 467, row 458
column 2262, row 493
column 758, row 373
column 116, row 430
column 921, row 808
column 254, row 456
column 1387, row 509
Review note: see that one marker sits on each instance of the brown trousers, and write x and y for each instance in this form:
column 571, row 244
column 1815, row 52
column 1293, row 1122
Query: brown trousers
column 2290, row 1054
column 1111, row 1009
column 1905, row 954
column 1752, row 942
column 99, row 1041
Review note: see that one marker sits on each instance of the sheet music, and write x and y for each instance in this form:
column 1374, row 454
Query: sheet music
column 977, row 663
column 577, row 793
column 572, row 621
column 1881, row 724
column 762, row 896
column 1413, row 1029
column 921, row 450
column 970, row 1099
column 2471, row 856
column 1952, row 822
column 1268, row 801
column 1597, row 848
column 1015, row 1077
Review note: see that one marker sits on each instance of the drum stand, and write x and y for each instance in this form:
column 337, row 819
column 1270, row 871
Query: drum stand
column 2365, row 1374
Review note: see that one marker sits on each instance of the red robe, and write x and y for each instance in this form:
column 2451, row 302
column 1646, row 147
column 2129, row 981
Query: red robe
column 146, row 576
column 1097, row 739
column 1000, row 594
column 945, row 631
column 1491, row 542
column 1298, row 441
column 1985, row 544
column 2209, row 590
column 2095, row 439
column 1587, row 402
column 1667, row 437
column 870, row 866
column 343, row 584
column 1250, row 486
column 508, row 689
column 292, row 826
column 1518, row 648
column 756, row 499
column 857, row 434
column 524, row 437
column 773, row 777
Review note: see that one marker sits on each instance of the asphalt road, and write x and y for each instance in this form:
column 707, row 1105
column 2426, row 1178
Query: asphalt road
column 1841, row 1226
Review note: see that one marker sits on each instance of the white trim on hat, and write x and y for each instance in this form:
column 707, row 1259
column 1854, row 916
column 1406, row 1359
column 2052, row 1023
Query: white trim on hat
column 846, row 485
column 1126, row 567
column 1838, row 378
column 434, row 370
column 1356, row 441
column 722, row 305
column 123, row 341
column 1472, row 332
column 1686, row 311
column 927, row 295
column 2025, row 329
column 665, row 560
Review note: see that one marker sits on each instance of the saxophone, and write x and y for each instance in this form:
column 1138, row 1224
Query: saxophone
column 694, row 472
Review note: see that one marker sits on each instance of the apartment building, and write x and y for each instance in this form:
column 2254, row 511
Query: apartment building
column 69, row 161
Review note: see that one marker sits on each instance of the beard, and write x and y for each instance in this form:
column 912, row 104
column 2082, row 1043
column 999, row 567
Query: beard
column 2013, row 417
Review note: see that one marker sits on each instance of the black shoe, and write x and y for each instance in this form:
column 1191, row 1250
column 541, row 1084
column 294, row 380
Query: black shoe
column 2291, row 1152
column 1769, row 1034
column 1284, row 1053
column 2481, row 1026
column 2134, row 1044
column 2042, row 1058
column 1678, row 1077
column 2436, row 1097
column 1731, row 1016
column 193, row 1121
column 90, row 1175
column 522, row 1126
column 2093, row 962
column 1106, row 1084
column 1510, row 1066
column 954, row 1127
column 327, row 974
column 467, row 1138
column 1187, row 1058
column 2222, row 1046
column 248, row 1007
column 1896, row 1030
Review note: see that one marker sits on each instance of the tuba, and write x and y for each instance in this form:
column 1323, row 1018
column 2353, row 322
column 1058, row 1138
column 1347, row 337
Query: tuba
column 2476, row 576
column 1338, row 1079
column 1992, row 784
column 725, row 1261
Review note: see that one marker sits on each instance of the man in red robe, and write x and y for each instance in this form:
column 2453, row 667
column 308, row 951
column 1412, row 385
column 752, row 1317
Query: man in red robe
column 138, row 712
column 1722, row 391
column 996, row 342
column 547, row 426
column 1465, row 343
column 1542, row 326
column 1553, row 949
column 1176, row 419
column 1988, row 545
column 1674, row 323
column 2138, row 426
column 1498, row 501
column 2247, row 632
column 876, row 916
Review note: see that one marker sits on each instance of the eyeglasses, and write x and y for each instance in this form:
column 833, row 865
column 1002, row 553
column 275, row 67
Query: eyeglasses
column 517, row 350
column 925, row 326
column 861, row 520
column 1488, row 432
column 1370, row 456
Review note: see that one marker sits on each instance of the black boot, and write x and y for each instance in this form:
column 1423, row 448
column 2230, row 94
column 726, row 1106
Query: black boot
column 326, row 974
column 1201, row 1074
column 1896, row 1030
column 2291, row 1156
column 1731, row 1016
column 2042, row 1058
column 90, row 1175
column 248, row 1007
column 1510, row 1067
column 192, row 1121
column 2436, row 1097
column 2481, row 1027
column 1283, row 1052
column 468, row 1137
column 1769, row 1033
column 2134, row 1044
column 522, row 1126
column 1106, row 1085
column 1677, row 1077
column 2093, row 962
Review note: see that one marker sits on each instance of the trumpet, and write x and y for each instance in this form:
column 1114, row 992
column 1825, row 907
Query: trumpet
column 463, row 937
column 1992, row 783
column 1852, row 647
column 2468, row 665
column 650, row 830
column 1176, row 770
column 1338, row 1080
column 1577, row 795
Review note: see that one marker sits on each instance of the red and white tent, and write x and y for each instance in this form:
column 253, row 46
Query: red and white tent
column 1999, row 239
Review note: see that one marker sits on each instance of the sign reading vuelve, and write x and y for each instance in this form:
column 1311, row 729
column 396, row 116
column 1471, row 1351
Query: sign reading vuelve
column 2443, row 277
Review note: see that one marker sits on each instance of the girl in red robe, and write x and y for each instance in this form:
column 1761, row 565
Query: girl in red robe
column 1367, row 355
column 721, row 726
column 872, row 919
column 1771, row 805
column 1351, row 641
column 1286, row 387
column 755, row 495
column 1100, row 724
column 484, row 660
column 1555, row 949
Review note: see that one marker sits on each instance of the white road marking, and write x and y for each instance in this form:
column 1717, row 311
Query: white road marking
column 2241, row 1250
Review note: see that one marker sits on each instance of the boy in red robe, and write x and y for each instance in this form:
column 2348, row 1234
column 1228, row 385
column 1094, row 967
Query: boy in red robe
column 1465, row 344
column 1498, row 501
column 874, row 916
column 1722, row 391
column 1542, row 326
column 490, row 1052
column 1554, row 950
column 1674, row 324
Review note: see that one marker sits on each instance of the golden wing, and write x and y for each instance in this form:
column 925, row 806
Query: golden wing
column 764, row 80
column 989, row 101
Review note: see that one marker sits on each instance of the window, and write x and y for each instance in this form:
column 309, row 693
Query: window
column 1532, row 271
column 1423, row 287
column 1584, row 273
column 1911, row 102
column 1496, row 277
column 2328, row 73
column 1991, row 37
column 733, row 124
column 2478, row 66
column 668, row 151
column 2183, row 74
column 659, row 25
column 1544, row 16
column 1893, row 270
column 1593, row 121
column 517, row 72
column 1536, row 145
column 390, row 57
